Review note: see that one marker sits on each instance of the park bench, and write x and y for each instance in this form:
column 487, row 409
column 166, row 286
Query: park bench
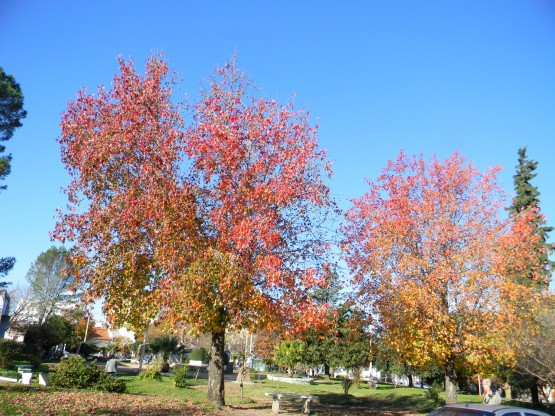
column 44, row 378
column 305, row 398
column 26, row 372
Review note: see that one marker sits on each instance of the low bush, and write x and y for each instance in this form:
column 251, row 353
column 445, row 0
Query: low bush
column 9, row 351
column 180, row 376
column 10, row 374
column 110, row 384
column 151, row 374
column 433, row 394
column 200, row 354
column 74, row 373
column 346, row 383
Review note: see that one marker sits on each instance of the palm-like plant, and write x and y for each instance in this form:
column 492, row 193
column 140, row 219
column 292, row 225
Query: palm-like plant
column 164, row 345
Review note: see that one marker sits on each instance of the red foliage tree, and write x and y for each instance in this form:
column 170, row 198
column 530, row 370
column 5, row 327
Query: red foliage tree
column 219, row 225
column 431, row 256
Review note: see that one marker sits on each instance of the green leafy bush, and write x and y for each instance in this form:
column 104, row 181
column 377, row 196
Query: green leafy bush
column 10, row 374
column 74, row 373
column 180, row 376
column 433, row 394
column 88, row 348
column 200, row 354
column 9, row 351
column 151, row 374
column 346, row 383
column 110, row 384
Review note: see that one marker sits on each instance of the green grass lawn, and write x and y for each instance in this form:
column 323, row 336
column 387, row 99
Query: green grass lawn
column 385, row 397
column 16, row 399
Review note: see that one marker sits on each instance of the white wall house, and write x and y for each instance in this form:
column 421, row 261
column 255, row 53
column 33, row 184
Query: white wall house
column 29, row 314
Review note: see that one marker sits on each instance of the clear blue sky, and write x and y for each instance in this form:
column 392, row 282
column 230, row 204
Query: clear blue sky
column 424, row 76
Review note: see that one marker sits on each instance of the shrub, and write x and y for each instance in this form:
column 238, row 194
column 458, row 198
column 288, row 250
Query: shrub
column 180, row 376
column 87, row 349
column 74, row 373
column 151, row 374
column 357, row 376
column 10, row 374
column 433, row 393
column 200, row 354
column 110, row 384
column 9, row 350
column 346, row 383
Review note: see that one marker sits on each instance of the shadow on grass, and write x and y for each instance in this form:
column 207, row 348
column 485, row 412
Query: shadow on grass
column 348, row 404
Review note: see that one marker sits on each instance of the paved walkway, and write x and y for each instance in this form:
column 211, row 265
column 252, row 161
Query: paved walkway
column 133, row 368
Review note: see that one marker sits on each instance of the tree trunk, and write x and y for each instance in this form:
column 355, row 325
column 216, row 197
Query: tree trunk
column 450, row 383
column 534, row 392
column 326, row 372
column 216, row 370
column 411, row 383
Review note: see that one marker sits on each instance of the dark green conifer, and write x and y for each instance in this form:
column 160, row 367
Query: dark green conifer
column 527, row 197
column 11, row 113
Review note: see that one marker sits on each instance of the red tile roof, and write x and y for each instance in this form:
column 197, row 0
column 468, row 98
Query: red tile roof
column 100, row 334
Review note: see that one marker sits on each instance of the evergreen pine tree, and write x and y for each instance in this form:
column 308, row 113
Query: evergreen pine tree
column 527, row 197
column 11, row 113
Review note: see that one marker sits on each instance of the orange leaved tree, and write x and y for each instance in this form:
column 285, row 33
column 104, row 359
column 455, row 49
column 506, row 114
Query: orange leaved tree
column 218, row 225
column 432, row 257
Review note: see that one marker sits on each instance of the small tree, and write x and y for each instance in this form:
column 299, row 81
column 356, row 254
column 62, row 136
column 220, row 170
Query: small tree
column 352, row 344
column 20, row 302
column 200, row 354
column 9, row 351
column 39, row 339
column 536, row 346
column 288, row 354
column 50, row 281
column 321, row 342
column 82, row 323
column 265, row 346
column 164, row 345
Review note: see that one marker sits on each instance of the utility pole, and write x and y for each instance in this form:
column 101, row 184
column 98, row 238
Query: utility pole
column 86, row 330
column 142, row 353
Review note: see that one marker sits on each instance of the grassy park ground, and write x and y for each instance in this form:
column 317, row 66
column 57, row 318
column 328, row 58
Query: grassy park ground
column 151, row 397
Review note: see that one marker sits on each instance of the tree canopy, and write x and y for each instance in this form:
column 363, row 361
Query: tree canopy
column 527, row 198
column 431, row 258
column 50, row 281
column 218, row 225
column 11, row 114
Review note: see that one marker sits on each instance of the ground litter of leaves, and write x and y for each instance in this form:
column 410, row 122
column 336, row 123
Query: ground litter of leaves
column 94, row 403
column 34, row 402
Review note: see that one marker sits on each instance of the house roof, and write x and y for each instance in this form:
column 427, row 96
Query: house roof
column 100, row 334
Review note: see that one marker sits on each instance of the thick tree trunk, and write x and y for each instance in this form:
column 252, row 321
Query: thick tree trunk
column 450, row 383
column 216, row 370
column 326, row 372
column 534, row 394
column 411, row 383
